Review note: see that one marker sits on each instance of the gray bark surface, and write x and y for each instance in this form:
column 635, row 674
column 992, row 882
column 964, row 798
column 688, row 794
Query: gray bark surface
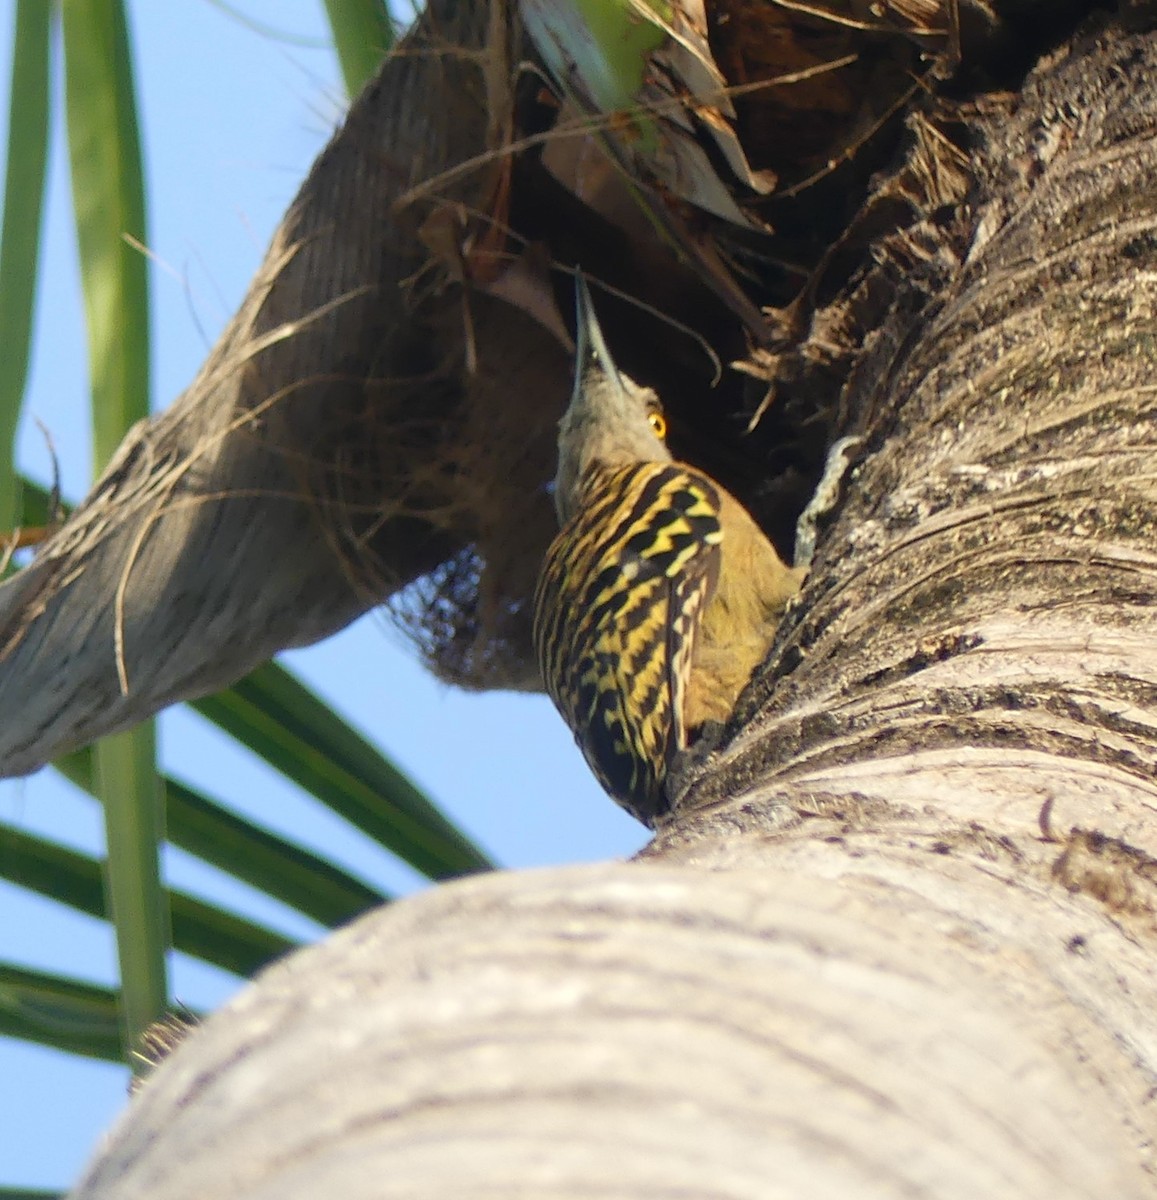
column 813, row 1026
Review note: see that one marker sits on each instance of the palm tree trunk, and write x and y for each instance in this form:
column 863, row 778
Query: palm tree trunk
column 898, row 937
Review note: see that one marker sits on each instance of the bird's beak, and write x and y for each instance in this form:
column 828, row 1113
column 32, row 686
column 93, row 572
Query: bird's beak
column 591, row 353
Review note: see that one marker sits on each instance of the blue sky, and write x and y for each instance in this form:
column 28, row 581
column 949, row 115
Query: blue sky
column 232, row 119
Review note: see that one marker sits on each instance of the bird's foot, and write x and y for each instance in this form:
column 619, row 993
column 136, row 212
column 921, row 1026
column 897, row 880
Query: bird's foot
column 688, row 764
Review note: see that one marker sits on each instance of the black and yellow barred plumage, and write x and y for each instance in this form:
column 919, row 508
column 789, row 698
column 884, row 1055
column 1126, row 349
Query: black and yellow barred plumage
column 659, row 595
column 617, row 608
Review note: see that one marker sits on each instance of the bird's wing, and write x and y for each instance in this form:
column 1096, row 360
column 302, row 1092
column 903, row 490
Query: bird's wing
column 618, row 604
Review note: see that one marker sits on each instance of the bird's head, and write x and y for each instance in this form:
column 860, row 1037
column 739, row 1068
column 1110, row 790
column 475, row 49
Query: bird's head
column 611, row 421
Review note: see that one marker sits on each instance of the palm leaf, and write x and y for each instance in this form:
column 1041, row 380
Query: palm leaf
column 20, row 235
column 286, row 872
column 362, row 34
column 280, row 720
column 109, row 202
column 203, row 930
column 64, row 1013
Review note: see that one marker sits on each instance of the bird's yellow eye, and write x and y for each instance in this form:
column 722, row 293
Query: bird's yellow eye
column 658, row 423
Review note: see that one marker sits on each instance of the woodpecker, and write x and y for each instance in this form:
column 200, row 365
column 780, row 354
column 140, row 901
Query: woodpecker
column 659, row 596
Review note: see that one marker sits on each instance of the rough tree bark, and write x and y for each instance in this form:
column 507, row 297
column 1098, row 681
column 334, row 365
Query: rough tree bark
column 898, row 938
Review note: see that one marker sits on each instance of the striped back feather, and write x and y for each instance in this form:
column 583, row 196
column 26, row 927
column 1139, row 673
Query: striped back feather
column 616, row 611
